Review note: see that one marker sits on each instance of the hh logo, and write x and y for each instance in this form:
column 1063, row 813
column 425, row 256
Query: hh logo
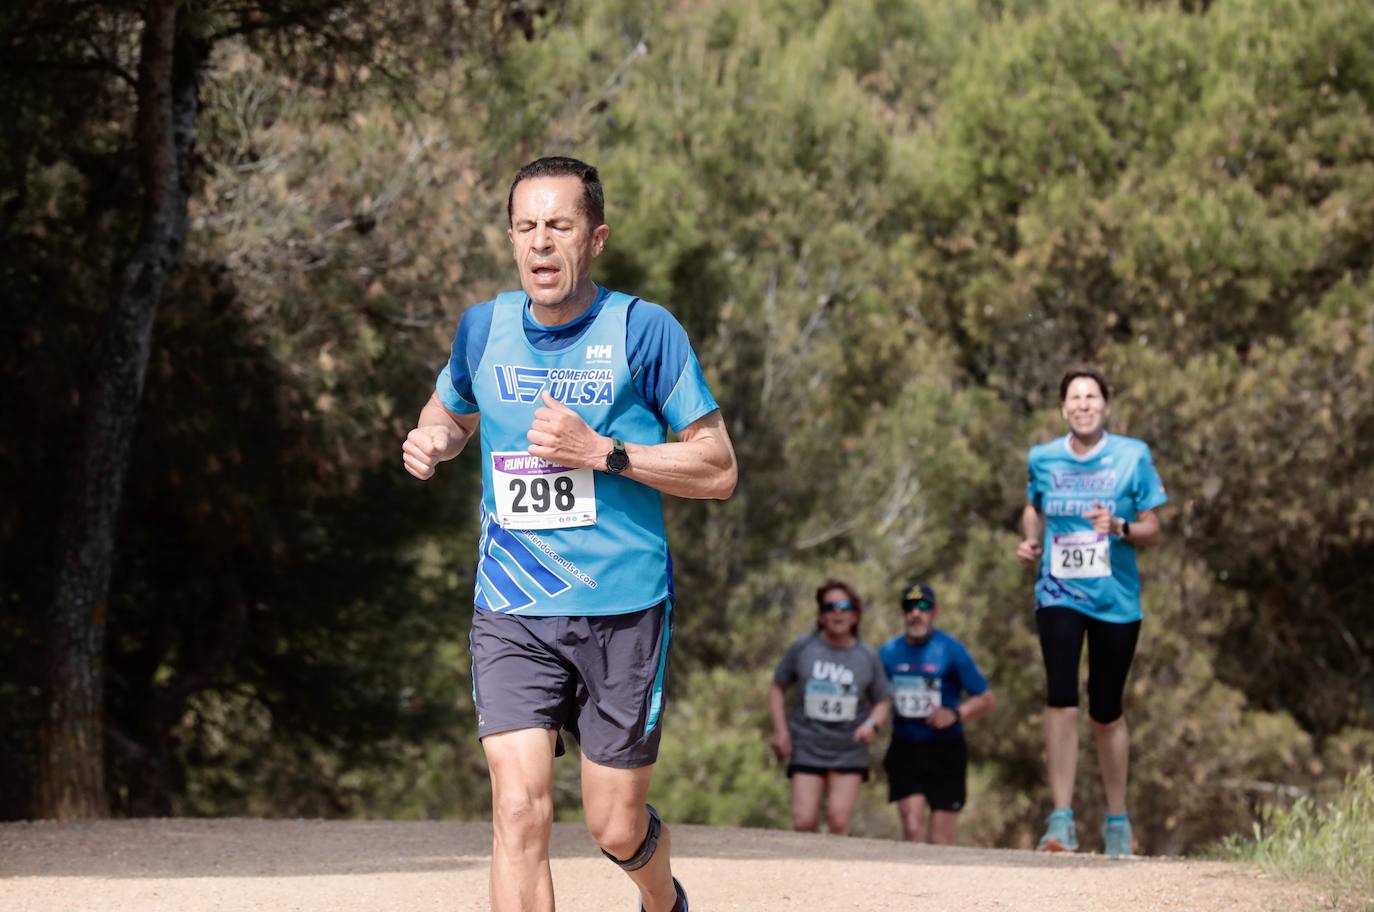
column 598, row 352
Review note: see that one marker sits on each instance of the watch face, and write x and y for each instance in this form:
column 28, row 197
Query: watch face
column 617, row 461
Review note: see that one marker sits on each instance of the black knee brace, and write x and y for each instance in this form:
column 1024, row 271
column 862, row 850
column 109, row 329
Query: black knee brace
column 646, row 848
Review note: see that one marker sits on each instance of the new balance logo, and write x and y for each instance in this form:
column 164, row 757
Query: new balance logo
column 598, row 352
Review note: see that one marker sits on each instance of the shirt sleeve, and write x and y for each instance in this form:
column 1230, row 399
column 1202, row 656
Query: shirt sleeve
column 454, row 384
column 663, row 367
column 970, row 678
column 1149, row 489
column 1033, row 496
column 785, row 674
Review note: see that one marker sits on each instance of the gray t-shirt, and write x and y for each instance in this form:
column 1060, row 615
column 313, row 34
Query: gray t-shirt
column 837, row 686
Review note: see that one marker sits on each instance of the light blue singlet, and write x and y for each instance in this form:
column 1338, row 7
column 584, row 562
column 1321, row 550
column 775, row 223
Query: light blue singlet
column 618, row 565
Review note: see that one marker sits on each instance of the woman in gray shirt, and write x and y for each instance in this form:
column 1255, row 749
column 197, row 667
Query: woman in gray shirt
column 842, row 699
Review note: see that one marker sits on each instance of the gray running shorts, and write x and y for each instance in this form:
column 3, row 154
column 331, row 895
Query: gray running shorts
column 600, row 678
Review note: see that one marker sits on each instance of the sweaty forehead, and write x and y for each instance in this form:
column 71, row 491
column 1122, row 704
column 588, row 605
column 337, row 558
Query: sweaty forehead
column 546, row 198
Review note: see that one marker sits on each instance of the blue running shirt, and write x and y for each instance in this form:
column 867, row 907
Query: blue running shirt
column 544, row 551
column 666, row 373
column 932, row 674
column 1093, row 574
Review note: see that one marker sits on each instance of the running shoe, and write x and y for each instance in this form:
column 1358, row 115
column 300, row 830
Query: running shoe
column 1116, row 839
column 1060, row 835
column 681, row 905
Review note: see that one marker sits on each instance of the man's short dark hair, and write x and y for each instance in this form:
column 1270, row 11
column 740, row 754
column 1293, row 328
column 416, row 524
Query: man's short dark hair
column 1091, row 374
column 593, row 198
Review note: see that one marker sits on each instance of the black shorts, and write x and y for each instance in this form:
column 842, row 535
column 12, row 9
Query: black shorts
column 1111, row 649
column 793, row 768
column 936, row 769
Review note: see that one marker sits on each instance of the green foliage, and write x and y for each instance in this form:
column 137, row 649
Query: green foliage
column 278, row 641
column 1327, row 842
column 885, row 291
column 714, row 766
column 888, row 225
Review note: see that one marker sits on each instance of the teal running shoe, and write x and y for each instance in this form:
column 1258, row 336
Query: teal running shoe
column 1116, row 839
column 1060, row 835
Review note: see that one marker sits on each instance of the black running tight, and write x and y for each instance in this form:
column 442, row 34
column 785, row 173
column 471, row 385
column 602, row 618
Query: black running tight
column 1111, row 647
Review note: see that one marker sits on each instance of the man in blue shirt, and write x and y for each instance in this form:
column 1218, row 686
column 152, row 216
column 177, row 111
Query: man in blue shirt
column 1091, row 500
column 576, row 388
column 927, row 762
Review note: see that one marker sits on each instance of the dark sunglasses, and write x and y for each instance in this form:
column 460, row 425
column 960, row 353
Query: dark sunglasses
column 827, row 607
column 922, row 605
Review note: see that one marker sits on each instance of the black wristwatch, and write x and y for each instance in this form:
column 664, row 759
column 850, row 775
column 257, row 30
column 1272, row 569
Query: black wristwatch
column 1125, row 530
column 617, row 460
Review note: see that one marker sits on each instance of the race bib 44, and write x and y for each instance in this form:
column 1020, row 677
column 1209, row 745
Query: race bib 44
column 826, row 701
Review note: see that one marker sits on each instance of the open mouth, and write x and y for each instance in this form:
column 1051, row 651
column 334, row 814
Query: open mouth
column 545, row 272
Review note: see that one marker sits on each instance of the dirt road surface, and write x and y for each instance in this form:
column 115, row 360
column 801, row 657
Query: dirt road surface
column 341, row 866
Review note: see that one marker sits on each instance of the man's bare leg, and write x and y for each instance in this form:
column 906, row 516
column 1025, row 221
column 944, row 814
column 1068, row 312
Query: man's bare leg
column 943, row 827
column 521, row 764
column 912, row 810
column 614, row 801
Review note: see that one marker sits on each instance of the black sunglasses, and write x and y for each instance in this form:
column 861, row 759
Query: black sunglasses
column 827, row 607
column 918, row 605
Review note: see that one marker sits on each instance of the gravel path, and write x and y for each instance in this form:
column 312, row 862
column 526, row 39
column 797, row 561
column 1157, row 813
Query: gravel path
column 339, row 866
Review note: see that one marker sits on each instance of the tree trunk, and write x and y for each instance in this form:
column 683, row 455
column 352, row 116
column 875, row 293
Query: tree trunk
column 71, row 767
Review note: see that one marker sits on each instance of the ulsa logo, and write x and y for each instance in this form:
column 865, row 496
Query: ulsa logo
column 829, row 671
column 598, row 353
column 571, row 386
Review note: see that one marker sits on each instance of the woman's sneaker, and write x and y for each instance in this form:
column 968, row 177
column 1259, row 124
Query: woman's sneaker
column 1060, row 835
column 1116, row 838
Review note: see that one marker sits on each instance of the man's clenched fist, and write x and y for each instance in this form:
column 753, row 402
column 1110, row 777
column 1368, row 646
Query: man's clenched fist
column 561, row 436
column 424, row 449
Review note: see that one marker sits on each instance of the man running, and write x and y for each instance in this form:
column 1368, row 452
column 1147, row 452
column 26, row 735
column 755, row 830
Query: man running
column 927, row 761
column 575, row 387
column 1091, row 501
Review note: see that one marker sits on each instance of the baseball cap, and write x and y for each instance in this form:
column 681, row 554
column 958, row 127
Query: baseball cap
column 917, row 591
